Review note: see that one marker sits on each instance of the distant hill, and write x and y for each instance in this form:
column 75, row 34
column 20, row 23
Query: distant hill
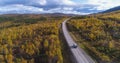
column 43, row 14
column 33, row 17
column 58, row 14
column 112, row 9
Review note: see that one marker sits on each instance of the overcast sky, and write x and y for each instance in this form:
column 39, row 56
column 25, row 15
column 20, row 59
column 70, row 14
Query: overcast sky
column 56, row 6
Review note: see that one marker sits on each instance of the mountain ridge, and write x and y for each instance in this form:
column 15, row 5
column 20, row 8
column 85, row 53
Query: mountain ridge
column 112, row 9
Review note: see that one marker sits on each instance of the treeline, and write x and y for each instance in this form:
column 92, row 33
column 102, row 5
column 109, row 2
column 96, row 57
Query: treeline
column 30, row 43
column 100, row 35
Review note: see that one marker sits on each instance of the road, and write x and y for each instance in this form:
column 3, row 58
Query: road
column 79, row 54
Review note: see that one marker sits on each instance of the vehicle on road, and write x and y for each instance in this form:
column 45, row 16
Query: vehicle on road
column 74, row 46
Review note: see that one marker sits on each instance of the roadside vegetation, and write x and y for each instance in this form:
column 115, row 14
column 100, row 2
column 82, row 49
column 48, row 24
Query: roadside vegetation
column 99, row 35
column 30, row 39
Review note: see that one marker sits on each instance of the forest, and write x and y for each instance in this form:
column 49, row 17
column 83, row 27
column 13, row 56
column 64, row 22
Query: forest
column 39, row 38
column 98, row 35
column 30, row 39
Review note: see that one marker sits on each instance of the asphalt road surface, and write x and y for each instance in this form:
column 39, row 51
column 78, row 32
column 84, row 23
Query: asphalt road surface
column 79, row 54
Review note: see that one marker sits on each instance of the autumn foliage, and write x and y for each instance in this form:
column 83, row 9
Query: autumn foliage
column 100, row 35
column 30, row 42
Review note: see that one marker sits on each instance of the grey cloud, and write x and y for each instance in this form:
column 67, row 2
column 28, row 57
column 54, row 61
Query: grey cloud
column 50, row 6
